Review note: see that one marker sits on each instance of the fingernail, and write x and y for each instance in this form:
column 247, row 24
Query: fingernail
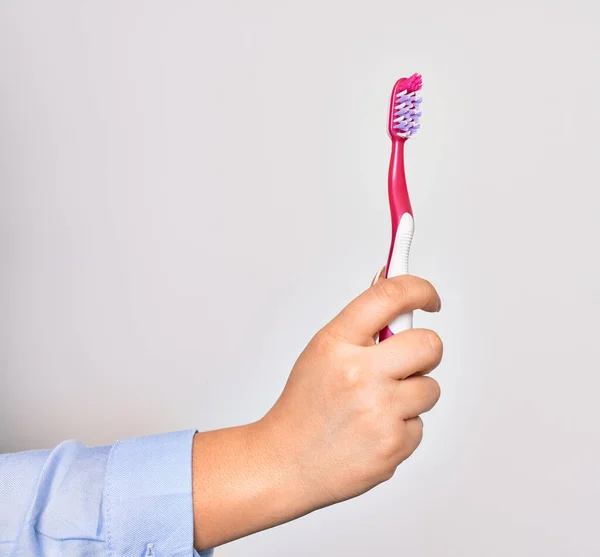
column 439, row 307
column 378, row 275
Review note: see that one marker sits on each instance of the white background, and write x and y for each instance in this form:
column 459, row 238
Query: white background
column 189, row 190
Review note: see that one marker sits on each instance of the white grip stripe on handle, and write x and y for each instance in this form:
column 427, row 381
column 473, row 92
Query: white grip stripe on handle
column 399, row 266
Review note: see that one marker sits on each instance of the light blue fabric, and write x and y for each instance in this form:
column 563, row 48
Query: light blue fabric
column 132, row 499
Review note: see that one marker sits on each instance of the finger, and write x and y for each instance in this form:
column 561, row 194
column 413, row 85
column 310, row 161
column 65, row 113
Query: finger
column 377, row 278
column 375, row 308
column 415, row 396
column 414, row 351
column 413, row 431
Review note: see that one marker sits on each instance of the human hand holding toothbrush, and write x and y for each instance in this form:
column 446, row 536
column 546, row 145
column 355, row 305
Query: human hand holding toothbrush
column 348, row 416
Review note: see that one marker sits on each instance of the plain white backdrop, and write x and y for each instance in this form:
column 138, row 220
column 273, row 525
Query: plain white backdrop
column 189, row 190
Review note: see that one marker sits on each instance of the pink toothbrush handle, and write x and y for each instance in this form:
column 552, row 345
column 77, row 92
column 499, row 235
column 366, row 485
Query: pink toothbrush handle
column 402, row 229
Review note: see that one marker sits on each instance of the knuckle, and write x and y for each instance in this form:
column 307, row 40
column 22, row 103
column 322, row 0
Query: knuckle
column 390, row 292
column 352, row 375
column 352, row 370
column 429, row 294
column 372, row 410
column 388, row 473
column 433, row 342
column 426, row 290
column 431, row 391
column 427, row 287
column 375, row 417
column 409, row 448
column 412, row 439
column 417, row 432
column 323, row 340
column 388, row 447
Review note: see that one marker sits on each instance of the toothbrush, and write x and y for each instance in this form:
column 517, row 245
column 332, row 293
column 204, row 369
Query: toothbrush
column 403, row 123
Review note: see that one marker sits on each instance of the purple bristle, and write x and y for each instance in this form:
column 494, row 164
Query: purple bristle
column 407, row 114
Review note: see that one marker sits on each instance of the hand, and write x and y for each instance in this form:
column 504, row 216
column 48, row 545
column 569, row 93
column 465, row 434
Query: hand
column 348, row 416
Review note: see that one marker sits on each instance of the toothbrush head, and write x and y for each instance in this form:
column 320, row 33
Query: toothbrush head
column 405, row 107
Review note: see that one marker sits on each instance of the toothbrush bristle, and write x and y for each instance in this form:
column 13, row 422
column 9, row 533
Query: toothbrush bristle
column 405, row 107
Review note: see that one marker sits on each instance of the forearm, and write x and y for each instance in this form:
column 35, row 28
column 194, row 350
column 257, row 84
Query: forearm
column 242, row 483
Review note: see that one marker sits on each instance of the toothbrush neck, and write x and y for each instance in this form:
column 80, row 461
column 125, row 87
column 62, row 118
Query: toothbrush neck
column 397, row 188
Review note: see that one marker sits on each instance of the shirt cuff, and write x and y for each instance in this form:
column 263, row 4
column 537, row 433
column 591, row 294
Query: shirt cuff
column 147, row 501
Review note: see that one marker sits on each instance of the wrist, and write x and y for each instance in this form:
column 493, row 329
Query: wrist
column 245, row 479
column 274, row 450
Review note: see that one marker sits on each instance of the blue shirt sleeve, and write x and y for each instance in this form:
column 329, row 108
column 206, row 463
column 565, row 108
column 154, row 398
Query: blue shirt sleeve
column 132, row 499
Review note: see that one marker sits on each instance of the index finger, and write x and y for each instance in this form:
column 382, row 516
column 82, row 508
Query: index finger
column 378, row 306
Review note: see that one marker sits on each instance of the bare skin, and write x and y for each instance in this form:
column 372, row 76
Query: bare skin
column 348, row 416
